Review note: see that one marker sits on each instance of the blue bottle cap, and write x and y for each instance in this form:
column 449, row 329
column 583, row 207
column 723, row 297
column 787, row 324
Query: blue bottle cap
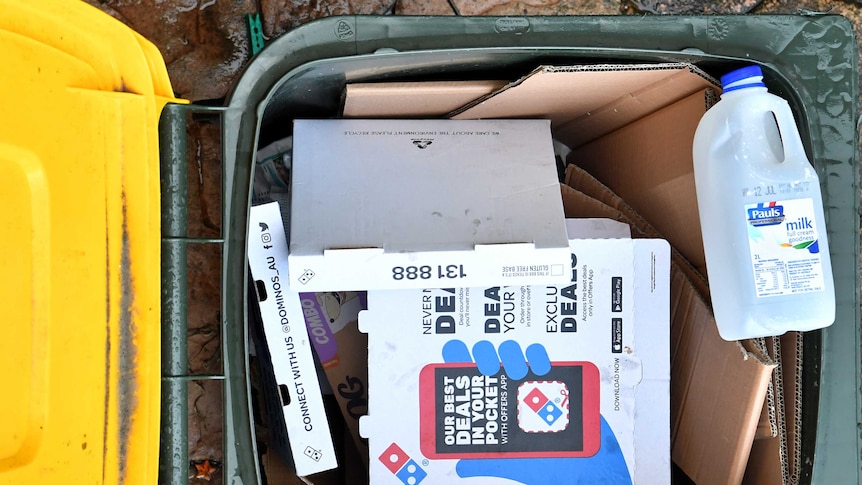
column 746, row 77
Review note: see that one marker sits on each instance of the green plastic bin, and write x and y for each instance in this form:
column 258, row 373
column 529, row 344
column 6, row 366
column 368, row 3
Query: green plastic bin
column 809, row 60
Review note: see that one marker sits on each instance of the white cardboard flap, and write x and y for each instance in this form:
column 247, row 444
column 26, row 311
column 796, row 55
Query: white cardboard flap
column 428, row 192
column 289, row 345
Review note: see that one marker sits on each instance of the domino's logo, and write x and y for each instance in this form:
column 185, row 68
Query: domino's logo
column 402, row 466
column 766, row 214
column 543, row 406
column 306, row 276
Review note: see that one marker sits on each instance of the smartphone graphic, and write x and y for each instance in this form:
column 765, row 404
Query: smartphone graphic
column 465, row 414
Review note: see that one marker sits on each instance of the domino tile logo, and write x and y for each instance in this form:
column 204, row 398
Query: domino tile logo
column 402, row 466
column 306, row 276
column 543, row 406
column 310, row 452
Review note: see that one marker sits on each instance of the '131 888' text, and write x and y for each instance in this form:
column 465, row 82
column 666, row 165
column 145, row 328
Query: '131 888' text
column 451, row 271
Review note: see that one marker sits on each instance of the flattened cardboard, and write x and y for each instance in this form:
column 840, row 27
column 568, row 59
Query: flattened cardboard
column 631, row 384
column 592, row 100
column 717, row 387
column 429, row 99
column 655, row 176
column 396, row 204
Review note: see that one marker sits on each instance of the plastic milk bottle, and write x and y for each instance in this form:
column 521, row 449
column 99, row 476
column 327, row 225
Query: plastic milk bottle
column 761, row 214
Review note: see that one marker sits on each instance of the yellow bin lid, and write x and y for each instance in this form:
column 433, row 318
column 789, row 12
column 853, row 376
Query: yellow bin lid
column 80, row 97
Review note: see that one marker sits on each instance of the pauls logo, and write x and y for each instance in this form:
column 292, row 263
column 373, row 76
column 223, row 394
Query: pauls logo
column 768, row 214
column 543, row 406
column 422, row 143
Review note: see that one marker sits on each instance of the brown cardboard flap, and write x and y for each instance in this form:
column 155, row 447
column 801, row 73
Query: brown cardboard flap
column 579, row 179
column 717, row 387
column 777, row 408
column 655, row 176
column 412, row 99
column 586, row 102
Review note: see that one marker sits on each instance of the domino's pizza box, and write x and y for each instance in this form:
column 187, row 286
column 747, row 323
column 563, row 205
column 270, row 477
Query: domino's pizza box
column 396, row 204
column 304, row 417
column 538, row 384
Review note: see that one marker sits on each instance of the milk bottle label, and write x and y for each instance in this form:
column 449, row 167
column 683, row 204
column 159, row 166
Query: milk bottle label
column 785, row 250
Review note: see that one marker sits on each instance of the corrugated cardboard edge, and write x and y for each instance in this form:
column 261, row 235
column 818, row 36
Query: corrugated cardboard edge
column 795, row 438
column 587, row 67
column 780, row 413
column 767, row 427
column 768, row 463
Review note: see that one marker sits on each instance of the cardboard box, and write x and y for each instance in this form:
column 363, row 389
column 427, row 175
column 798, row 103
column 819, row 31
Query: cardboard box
column 385, row 204
column 775, row 459
column 307, row 426
column 602, row 409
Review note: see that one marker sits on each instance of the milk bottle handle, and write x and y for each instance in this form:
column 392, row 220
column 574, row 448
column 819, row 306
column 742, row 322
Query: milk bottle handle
column 791, row 142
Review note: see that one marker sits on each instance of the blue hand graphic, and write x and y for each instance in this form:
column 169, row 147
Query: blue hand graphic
column 608, row 466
